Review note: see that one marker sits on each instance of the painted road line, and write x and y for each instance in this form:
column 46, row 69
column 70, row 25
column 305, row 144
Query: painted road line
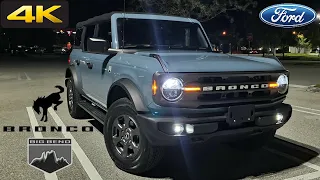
column 297, row 86
column 83, row 158
column 307, row 112
column 28, row 78
column 306, row 108
column 33, row 121
column 308, row 164
column 308, row 176
column 19, row 76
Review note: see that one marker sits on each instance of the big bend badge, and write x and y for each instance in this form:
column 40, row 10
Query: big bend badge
column 49, row 155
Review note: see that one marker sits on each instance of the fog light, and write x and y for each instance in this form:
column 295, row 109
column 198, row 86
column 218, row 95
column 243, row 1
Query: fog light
column 279, row 118
column 189, row 128
column 177, row 128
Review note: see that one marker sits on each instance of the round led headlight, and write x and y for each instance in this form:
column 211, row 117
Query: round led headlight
column 283, row 83
column 172, row 89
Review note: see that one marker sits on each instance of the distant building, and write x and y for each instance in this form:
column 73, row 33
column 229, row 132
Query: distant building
column 299, row 50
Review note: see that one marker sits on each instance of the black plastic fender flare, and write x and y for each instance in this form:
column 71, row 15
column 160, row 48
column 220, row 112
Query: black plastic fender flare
column 71, row 72
column 132, row 91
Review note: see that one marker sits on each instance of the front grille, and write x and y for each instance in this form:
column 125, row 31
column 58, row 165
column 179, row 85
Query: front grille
column 234, row 79
column 226, row 95
column 234, row 95
column 224, row 89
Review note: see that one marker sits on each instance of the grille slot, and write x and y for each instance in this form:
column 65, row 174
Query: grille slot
column 234, row 95
column 234, row 79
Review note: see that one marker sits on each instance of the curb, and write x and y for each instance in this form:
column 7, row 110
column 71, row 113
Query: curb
column 296, row 61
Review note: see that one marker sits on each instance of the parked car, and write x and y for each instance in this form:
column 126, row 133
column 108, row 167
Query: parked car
column 17, row 50
column 60, row 50
column 155, row 82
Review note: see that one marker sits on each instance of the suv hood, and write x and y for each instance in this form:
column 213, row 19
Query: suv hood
column 186, row 61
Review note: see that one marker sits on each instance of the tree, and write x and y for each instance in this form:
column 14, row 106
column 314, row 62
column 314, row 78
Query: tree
column 202, row 10
column 313, row 34
column 303, row 42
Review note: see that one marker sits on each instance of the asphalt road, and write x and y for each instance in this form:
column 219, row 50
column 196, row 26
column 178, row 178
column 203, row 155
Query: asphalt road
column 293, row 154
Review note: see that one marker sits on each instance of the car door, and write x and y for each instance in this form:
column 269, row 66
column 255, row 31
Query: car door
column 76, row 52
column 85, row 60
column 99, row 73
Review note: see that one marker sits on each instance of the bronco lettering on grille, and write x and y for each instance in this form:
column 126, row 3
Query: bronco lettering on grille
column 235, row 87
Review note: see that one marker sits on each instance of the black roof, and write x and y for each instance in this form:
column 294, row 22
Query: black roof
column 103, row 17
column 107, row 17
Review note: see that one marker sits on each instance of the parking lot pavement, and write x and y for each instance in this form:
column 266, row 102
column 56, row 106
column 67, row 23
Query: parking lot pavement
column 293, row 154
column 304, row 74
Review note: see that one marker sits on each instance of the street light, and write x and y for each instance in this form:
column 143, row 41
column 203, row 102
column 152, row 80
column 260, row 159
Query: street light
column 294, row 32
column 224, row 33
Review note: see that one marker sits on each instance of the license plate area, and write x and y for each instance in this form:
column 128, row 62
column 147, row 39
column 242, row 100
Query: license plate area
column 240, row 114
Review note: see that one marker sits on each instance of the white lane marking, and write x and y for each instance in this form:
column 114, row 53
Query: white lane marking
column 19, row 76
column 28, row 78
column 33, row 121
column 308, row 176
column 308, row 112
column 83, row 158
column 297, row 86
column 306, row 108
column 308, row 164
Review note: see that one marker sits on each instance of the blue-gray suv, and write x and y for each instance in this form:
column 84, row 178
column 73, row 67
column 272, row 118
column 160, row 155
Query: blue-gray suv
column 154, row 81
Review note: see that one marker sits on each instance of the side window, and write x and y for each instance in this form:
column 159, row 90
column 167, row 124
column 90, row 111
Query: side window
column 105, row 32
column 77, row 40
column 89, row 34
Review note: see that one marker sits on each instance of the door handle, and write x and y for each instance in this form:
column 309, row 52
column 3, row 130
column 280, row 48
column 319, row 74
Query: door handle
column 90, row 65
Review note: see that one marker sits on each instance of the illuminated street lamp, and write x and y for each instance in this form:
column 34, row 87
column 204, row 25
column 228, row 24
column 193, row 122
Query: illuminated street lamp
column 224, row 33
column 294, row 32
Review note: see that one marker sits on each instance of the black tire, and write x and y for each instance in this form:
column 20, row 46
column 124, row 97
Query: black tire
column 75, row 110
column 255, row 142
column 146, row 157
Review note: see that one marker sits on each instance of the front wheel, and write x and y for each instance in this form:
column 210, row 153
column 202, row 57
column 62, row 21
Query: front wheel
column 125, row 142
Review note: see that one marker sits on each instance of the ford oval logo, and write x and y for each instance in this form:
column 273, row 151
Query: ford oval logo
column 288, row 15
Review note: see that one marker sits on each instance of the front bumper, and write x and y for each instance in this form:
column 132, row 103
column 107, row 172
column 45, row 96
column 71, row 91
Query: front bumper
column 158, row 129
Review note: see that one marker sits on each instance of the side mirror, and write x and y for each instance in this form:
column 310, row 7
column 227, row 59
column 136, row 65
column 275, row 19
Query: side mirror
column 98, row 45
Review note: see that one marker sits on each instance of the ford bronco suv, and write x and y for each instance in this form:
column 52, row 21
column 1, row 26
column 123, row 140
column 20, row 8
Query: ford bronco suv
column 154, row 81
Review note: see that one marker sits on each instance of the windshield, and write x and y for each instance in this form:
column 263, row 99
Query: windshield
column 161, row 34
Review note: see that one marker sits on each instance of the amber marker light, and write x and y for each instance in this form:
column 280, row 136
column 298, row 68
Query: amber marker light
column 192, row 89
column 273, row 85
column 154, row 87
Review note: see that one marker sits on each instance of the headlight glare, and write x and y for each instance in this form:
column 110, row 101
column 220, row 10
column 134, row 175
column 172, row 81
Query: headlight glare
column 283, row 83
column 172, row 89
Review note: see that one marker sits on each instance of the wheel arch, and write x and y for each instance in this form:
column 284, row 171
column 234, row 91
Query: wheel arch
column 71, row 72
column 126, row 88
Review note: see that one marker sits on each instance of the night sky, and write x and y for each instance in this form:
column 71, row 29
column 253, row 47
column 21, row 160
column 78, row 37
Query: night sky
column 81, row 10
